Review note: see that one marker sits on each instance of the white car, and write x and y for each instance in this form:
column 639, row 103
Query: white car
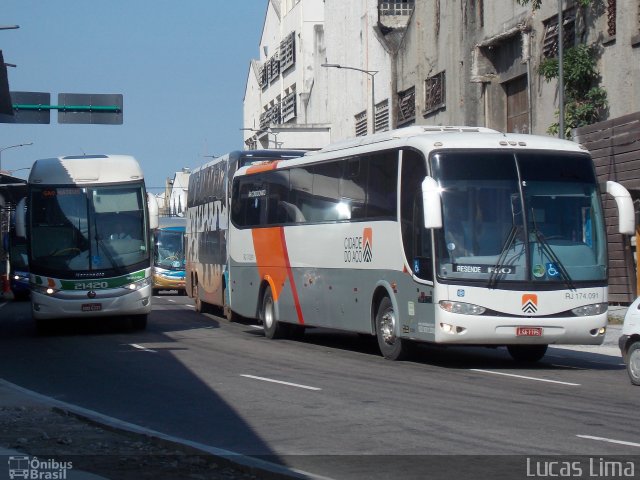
column 629, row 342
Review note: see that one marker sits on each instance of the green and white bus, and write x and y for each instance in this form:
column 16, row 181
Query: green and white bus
column 448, row 235
column 88, row 228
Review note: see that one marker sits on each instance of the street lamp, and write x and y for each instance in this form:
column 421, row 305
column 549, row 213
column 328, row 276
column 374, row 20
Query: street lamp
column 12, row 146
column 371, row 74
column 560, row 71
column 11, row 172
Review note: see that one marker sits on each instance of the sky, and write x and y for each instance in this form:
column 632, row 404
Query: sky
column 181, row 67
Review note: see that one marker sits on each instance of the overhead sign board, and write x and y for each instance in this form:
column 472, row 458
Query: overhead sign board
column 105, row 109
column 38, row 113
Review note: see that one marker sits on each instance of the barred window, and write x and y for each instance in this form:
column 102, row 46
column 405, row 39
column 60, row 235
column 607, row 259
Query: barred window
column 274, row 114
column 361, row 123
column 396, row 7
column 274, row 68
column 406, row 106
column 288, row 52
column 288, row 109
column 382, row 116
column 263, row 78
column 550, row 42
column 264, row 119
column 435, row 93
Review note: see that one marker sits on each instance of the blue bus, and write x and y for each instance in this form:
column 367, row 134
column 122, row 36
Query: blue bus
column 168, row 255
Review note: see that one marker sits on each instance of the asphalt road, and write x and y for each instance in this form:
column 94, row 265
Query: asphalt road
column 329, row 404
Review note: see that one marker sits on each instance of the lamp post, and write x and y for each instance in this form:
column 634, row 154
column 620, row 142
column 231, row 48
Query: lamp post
column 560, row 71
column 371, row 74
column 267, row 131
column 12, row 146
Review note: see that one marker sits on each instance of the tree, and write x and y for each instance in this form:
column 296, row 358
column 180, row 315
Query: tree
column 585, row 100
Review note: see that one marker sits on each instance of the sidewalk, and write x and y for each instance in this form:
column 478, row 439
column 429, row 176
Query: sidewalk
column 34, row 425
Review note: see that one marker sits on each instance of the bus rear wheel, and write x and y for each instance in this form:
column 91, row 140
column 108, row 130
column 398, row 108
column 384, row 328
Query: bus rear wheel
column 391, row 346
column 229, row 314
column 272, row 328
column 201, row 307
column 527, row 353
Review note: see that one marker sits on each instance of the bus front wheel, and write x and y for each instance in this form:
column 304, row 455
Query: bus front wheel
column 391, row 346
column 272, row 328
column 527, row 353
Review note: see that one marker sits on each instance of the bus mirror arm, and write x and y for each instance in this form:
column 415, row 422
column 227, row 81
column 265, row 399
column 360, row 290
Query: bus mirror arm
column 21, row 224
column 431, row 203
column 626, row 214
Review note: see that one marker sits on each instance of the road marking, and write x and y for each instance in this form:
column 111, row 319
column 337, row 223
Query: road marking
column 609, row 440
column 144, row 349
column 191, row 306
column 524, row 378
column 256, row 326
column 3, row 304
column 280, row 382
column 170, row 300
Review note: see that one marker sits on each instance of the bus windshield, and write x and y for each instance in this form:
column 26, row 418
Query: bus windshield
column 87, row 229
column 169, row 253
column 531, row 216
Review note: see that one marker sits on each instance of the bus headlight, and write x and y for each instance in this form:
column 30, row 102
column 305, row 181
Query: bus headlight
column 139, row 284
column 461, row 308
column 43, row 290
column 587, row 310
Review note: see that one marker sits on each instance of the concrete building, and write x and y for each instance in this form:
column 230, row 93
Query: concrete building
column 178, row 194
column 430, row 62
column 281, row 82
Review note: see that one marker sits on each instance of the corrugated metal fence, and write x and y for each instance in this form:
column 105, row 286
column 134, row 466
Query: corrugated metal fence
column 615, row 147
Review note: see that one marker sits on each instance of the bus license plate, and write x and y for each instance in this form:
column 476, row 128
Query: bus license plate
column 91, row 307
column 529, row 331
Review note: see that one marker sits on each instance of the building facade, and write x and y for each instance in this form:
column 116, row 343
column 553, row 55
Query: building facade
column 325, row 65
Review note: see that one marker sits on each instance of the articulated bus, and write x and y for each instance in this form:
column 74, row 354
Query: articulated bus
column 208, row 196
column 88, row 228
column 448, row 235
column 168, row 255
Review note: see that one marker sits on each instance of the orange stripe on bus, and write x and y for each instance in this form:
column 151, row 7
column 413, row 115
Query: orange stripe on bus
column 262, row 167
column 272, row 259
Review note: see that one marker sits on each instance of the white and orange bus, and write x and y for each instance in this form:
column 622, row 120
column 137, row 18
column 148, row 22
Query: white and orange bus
column 449, row 235
column 207, row 221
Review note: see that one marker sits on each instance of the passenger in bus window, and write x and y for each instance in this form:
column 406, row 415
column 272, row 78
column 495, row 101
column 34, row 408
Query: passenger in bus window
column 119, row 231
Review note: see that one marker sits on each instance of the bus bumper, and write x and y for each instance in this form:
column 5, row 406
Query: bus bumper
column 78, row 305
column 485, row 330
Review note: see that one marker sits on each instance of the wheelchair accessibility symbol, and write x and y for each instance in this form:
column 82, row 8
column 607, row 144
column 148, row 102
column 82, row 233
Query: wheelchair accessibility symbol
column 552, row 270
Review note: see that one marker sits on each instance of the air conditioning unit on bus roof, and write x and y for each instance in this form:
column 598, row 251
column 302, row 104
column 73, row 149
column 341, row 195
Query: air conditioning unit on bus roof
column 400, row 133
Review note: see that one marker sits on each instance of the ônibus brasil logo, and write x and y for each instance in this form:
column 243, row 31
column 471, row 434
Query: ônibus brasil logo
column 529, row 303
column 359, row 249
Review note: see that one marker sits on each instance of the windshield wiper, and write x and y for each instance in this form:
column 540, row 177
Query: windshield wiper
column 546, row 248
column 506, row 246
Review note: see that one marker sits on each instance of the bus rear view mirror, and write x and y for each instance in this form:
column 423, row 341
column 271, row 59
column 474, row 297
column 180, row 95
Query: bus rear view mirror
column 431, row 203
column 626, row 215
column 153, row 211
